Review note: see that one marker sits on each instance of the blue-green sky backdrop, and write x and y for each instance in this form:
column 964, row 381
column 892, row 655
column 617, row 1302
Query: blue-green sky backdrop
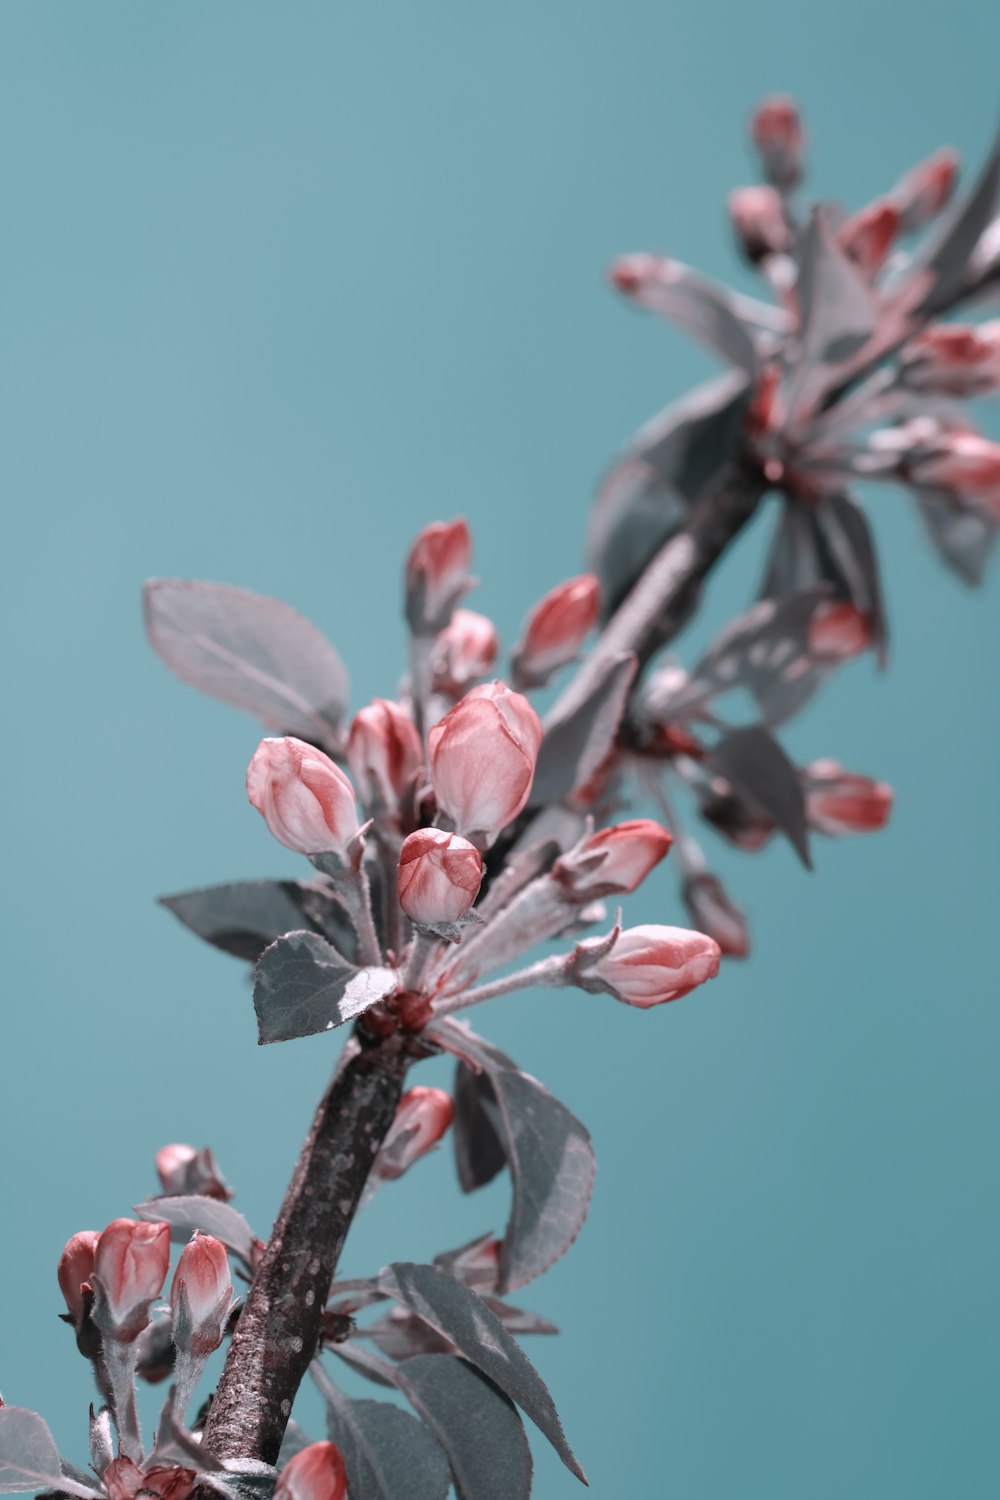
column 281, row 283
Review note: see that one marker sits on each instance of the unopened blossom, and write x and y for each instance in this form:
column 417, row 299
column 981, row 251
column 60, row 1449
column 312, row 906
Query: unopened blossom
column 923, row 192
column 315, row 1473
column 776, row 129
column 182, row 1170
column 483, row 756
column 306, row 801
column 964, row 462
column 840, row 802
column 439, row 876
column 612, row 862
column 124, row 1480
column 422, row 1117
column 649, row 965
column 130, row 1265
column 437, row 574
column 709, row 906
column 758, row 218
column 839, row 631
column 465, row 651
column 953, row 359
column 76, row 1265
column 201, row 1296
column 868, row 236
column 556, row 628
column 384, row 753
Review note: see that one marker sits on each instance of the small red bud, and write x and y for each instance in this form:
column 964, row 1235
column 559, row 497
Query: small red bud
column 130, row 1264
column 438, row 877
column 306, row 801
column 76, row 1265
column 201, row 1296
column 315, row 1473
column 422, row 1118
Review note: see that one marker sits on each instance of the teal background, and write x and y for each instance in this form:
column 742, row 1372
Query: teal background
column 281, row 283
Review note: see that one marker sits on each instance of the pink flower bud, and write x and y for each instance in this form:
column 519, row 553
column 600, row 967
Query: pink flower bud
column 758, row 217
column 483, row 756
column 124, row 1480
column 201, row 1296
column 963, row 462
column 650, row 965
column 130, row 1264
column 182, row 1170
column 839, row 802
column 306, row 801
column 464, row 651
column 954, row 359
column 776, row 129
column 868, row 236
column 612, row 862
column 439, row 876
column 76, row 1265
column 839, row 631
column 437, row 575
column 556, row 628
column 384, row 753
column 422, row 1118
column 709, row 906
column 925, row 190
column 315, row 1473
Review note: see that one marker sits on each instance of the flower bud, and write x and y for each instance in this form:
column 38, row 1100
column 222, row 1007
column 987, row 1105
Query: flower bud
column 201, row 1296
column 182, row 1170
column 555, row 629
column 483, row 756
column 868, row 236
column 963, row 462
column 315, row 1473
column 710, row 907
column 464, row 651
column 925, row 189
column 839, row 802
column 438, row 877
column 649, row 965
column 437, row 575
column 422, row 1118
column 776, row 129
column 612, row 862
column 954, row 359
column 758, row 218
column 384, row 753
column 306, row 801
column 130, row 1264
column 839, row 631
column 76, row 1265
column 124, row 1480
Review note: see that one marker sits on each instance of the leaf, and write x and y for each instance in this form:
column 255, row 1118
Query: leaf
column 947, row 251
column 186, row 1213
column 479, row 1152
column 673, row 460
column 29, row 1458
column 704, row 309
column 838, row 312
column 574, row 745
column 765, row 651
column 962, row 536
column 302, row 985
column 252, row 651
column 389, row 1454
column 844, row 527
column 476, row 1331
column 476, row 1425
column 245, row 916
column 549, row 1153
column 758, row 769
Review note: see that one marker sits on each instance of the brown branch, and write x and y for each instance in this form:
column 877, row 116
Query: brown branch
column 278, row 1330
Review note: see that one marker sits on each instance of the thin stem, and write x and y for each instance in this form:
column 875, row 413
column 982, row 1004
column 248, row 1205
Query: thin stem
column 421, row 647
column 119, row 1361
column 357, row 896
column 550, row 972
column 187, row 1372
column 422, row 950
